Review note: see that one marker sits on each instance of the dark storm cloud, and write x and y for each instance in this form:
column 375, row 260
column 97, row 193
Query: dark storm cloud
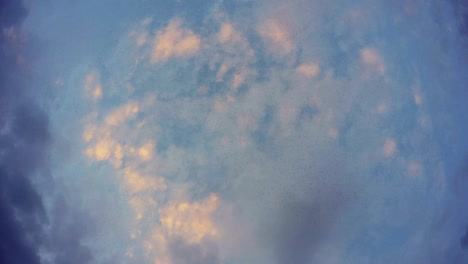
column 25, row 142
column 184, row 253
column 21, row 151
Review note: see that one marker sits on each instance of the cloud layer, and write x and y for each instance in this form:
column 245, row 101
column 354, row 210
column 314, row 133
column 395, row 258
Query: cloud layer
column 242, row 132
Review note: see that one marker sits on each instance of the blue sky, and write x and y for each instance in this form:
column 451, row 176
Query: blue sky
column 175, row 132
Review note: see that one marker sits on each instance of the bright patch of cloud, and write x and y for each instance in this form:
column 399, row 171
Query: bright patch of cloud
column 309, row 70
column 174, row 41
column 102, row 150
column 229, row 114
column 190, row 220
column 146, row 151
column 122, row 114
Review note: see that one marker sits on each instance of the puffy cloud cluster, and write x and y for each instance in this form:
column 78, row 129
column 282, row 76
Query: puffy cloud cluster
column 174, row 41
column 313, row 149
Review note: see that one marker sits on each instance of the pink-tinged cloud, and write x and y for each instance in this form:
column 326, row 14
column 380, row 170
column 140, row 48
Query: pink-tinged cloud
column 372, row 60
column 276, row 36
column 174, row 41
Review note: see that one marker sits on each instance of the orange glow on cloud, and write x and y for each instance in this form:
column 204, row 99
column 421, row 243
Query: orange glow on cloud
column 192, row 221
column 123, row 113
column 146, row 151
column 174, row 41
column 309, row 70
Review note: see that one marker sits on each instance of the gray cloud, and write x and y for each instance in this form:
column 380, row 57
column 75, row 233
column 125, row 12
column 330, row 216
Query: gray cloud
column 184, row 253
column 304, row 217
column 21, row 150
column 66, row 236
column 25, row 143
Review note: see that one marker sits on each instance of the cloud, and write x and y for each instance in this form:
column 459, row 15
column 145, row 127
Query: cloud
column 93, row 85
column 298, row 150
column 174, row 41
column 137, row 183
column 300, row 226
column 122, row 113
column 309, row 70
column 184, row 253
column 276, row 36
column 228, row 34
column 372, row 60
column 22, row 151
column 389, row 148
column 190, row 221
column 12, row 13
column 464, row 240
column 298, row 197
column 66, row 238
column 25, row 148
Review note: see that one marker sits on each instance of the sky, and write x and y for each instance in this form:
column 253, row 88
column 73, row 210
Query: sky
column 233, row 131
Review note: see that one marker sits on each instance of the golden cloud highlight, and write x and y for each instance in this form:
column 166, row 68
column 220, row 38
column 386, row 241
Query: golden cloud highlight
column 190, row 220
column 137, row 183
column 174, row 41
column 122, row 114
